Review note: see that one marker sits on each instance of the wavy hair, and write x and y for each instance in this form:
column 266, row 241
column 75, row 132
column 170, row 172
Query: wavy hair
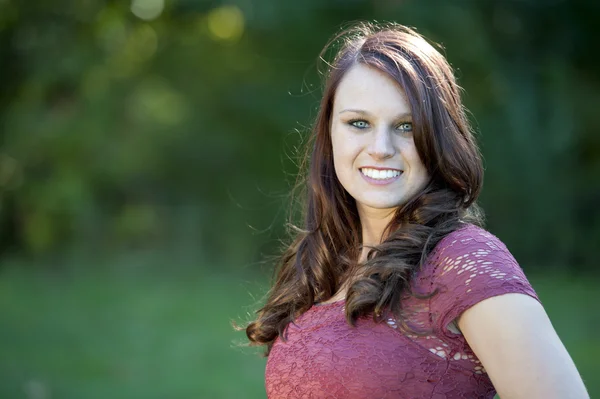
column 323, row 255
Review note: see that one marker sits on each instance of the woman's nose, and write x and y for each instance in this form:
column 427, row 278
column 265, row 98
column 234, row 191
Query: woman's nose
column 381, row 146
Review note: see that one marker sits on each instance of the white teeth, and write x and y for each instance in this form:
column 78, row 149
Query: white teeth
column 380, row 174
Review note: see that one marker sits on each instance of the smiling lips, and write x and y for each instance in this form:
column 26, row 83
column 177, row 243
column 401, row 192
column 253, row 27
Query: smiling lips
column 380, row 174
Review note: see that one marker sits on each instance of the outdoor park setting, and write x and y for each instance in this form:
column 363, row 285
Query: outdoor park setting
column 148, row 149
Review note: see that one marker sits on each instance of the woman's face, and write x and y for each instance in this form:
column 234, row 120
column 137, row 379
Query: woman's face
column 374, row 153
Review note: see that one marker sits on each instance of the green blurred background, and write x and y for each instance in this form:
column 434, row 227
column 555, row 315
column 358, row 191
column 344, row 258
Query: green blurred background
column 148, row 148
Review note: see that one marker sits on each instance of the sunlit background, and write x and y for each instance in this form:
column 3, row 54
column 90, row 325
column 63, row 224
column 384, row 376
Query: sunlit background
column 148, row 148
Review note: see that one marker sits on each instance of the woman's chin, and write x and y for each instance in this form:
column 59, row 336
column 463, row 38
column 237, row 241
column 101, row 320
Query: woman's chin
column 382, row 205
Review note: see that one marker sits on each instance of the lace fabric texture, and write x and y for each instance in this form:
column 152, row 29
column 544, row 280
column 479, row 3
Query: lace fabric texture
column 325, row 357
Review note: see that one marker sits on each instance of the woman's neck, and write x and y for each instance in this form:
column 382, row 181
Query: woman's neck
column 373, row 222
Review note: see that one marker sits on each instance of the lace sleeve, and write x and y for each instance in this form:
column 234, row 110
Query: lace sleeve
column 472, row 265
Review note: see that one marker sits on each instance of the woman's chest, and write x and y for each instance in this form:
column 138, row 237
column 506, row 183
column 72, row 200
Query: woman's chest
column 324, row 357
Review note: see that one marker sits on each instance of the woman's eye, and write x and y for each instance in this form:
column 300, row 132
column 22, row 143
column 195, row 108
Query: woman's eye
column 360, row 124
column 406, row 126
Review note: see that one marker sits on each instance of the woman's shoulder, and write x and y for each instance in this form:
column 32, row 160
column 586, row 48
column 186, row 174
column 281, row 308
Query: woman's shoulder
column 467, row 250
column 471, row 259
column 467, row 239
column 467, row 266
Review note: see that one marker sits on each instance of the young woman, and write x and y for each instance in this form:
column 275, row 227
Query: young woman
column 392, row 289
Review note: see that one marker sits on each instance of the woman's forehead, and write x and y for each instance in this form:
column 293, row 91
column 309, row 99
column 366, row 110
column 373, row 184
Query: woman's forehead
column 365, row 88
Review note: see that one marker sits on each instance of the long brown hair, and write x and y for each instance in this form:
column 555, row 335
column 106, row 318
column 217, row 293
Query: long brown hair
column 324, row 253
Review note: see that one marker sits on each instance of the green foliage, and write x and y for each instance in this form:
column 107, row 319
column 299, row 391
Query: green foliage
column 169, row 124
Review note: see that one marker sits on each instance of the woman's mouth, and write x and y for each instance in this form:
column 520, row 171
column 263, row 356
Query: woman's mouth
column 380, row 176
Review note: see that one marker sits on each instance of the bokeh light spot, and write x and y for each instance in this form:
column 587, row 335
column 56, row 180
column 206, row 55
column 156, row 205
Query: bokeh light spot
column 111, row 31
column 155, row 101
column 226, row 23
column 147, row 9
column 146, row 42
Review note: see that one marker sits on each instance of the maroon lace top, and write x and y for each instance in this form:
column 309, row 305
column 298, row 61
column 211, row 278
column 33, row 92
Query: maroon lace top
column 324, row 357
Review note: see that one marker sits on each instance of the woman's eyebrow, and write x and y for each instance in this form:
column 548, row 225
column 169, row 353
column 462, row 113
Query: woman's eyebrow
column 358, row 111
column 363, row 112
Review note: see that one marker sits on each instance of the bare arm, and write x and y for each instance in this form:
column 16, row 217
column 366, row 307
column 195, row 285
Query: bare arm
column 515, row 341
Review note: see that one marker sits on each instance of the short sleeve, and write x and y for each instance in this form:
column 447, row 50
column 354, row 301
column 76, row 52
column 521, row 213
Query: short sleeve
column 468, row 266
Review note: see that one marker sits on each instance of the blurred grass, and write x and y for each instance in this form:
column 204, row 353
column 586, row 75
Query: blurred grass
column 143, row 332
column 133, row 334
